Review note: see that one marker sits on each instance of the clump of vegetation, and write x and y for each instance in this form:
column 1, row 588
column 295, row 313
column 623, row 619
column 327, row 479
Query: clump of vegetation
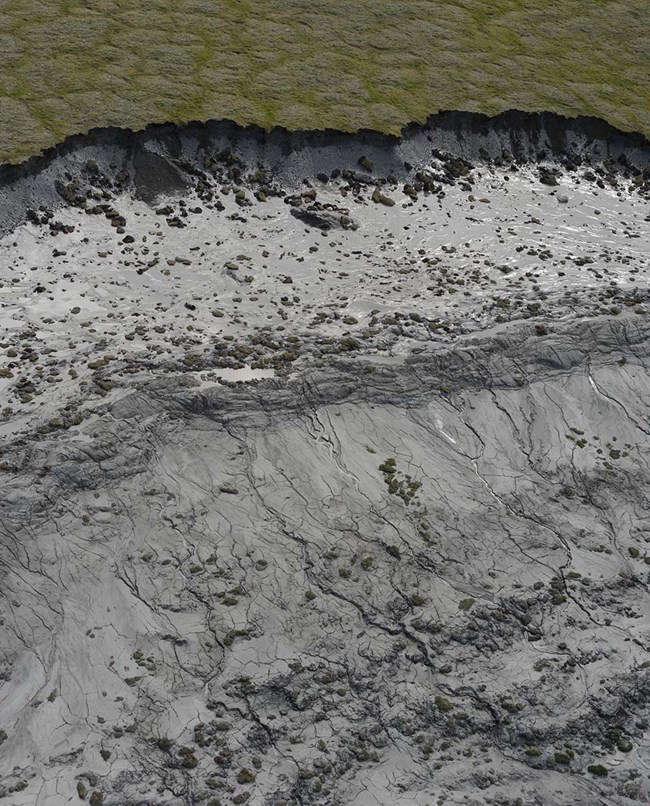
column 380, row 198
column 348, row 344
column 401, row 485
column 558, row 589
column 388, row 467
column 442, row 703
column 187, row 758
column 165, row 743
column 245, row 776
column 563, row 757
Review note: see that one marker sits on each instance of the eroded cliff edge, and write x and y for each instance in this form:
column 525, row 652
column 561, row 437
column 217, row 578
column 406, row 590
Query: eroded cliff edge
column 151, row 156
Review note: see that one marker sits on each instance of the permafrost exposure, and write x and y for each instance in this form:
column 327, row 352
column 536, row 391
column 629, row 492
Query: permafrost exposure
column 324, row 467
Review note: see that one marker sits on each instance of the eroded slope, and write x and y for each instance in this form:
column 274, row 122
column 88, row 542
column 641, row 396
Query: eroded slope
column 356, row 588
column 324, row 470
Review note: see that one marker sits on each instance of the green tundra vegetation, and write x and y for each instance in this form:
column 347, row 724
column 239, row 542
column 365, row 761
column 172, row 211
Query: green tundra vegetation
column 67, row 66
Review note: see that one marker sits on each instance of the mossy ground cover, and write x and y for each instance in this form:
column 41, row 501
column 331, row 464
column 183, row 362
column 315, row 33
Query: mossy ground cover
column 70, row 65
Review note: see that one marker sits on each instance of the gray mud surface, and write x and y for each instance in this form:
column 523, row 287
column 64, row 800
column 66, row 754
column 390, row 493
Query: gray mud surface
column 324, row 469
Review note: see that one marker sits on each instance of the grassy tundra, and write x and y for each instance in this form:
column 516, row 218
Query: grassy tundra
column 70, row 65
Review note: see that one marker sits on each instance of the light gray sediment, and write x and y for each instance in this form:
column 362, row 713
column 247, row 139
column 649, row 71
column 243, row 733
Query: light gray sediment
column 343, row 507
